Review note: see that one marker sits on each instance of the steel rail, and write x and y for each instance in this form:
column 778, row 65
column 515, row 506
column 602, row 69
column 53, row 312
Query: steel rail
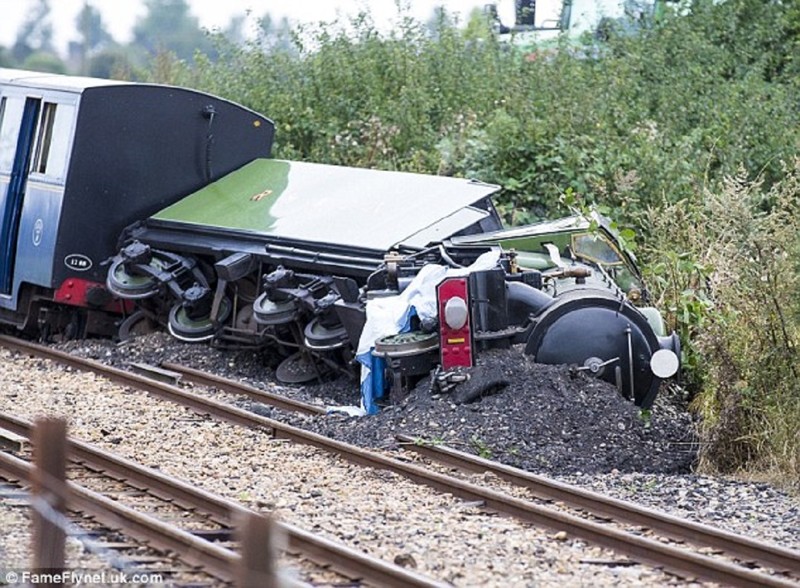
column 159, row 484
column 214, row 559
column 352, row 563
column 680, row 562
column 206, row 379
column 737, row 546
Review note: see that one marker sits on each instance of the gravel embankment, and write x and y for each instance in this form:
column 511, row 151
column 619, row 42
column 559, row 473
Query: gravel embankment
column 544, row 420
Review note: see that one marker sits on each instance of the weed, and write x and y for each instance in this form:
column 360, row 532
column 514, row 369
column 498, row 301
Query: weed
column 646, row 416
column 432, row 442
column 734, row 277
column 481, row 447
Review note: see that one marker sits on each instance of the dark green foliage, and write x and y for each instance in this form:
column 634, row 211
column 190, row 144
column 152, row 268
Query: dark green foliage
column 632, row 122
column 111, row 63
column 359, row 98
column 94, row 39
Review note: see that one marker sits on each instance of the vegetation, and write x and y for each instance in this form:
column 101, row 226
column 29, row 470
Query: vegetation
column 742, row 291
column 168, row 26
column 686, row 131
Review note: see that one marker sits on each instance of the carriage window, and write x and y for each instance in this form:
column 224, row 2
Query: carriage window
column 52, row 142
column 10, row 115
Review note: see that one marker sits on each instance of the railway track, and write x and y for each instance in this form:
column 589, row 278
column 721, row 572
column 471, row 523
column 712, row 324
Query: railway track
column 669, row 556
column 218, row 561
column 735, row 546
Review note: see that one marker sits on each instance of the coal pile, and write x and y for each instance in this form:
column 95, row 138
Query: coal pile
column 545, row 419
column 542, row 418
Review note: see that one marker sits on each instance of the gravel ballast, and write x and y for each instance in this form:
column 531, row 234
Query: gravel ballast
column 376, row 511
column 546, row 419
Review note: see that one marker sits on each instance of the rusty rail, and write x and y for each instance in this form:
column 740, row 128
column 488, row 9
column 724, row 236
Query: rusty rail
column 211, row 380
column 737, row 546
column 214, row 559
column 734, row 545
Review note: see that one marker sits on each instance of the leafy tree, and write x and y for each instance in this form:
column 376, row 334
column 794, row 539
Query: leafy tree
column 35, row 34
column 479, row 24
column 169, row 26
column 93, row 34
column 275, row 35
column 111, row 63
column 235, row 31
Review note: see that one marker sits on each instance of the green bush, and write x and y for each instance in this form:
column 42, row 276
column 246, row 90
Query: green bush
column 639, row 120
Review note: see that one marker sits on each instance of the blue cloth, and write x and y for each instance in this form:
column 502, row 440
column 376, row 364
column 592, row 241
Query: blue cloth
column 392, row 315
column 373, row 386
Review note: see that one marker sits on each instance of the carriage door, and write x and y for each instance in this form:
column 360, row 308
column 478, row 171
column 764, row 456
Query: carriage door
column 18, row 117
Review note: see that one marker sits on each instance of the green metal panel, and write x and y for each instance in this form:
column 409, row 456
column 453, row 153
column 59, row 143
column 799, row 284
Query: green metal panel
column 528, row 241
column 326, row 203
column 241, row 199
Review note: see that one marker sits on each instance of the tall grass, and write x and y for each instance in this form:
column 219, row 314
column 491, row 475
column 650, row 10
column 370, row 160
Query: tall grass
column 744, row 242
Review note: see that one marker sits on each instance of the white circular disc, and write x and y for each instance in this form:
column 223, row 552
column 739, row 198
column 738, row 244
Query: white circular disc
column 664, row 363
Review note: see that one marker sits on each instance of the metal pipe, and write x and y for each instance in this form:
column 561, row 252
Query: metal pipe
column 630, row 359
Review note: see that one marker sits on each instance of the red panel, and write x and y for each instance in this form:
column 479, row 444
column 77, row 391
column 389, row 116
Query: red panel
column 73, row 291
column 455, row 345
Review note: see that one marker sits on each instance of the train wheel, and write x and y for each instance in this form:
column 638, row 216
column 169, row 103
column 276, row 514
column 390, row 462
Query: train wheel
column 321, row 338
column 183, row 327
column 127, row 286
column 407, row 344
column 408, row 356
column 76, row 327
column 136, row 325
column 267, row 312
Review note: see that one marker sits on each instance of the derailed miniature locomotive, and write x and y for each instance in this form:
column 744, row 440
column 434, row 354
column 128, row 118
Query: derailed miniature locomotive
column 404, row 272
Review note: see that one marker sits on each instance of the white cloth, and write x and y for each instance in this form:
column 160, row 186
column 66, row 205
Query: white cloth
column 391, row 315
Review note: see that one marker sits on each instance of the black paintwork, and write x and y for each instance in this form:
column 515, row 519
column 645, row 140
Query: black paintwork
column 137, row 149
